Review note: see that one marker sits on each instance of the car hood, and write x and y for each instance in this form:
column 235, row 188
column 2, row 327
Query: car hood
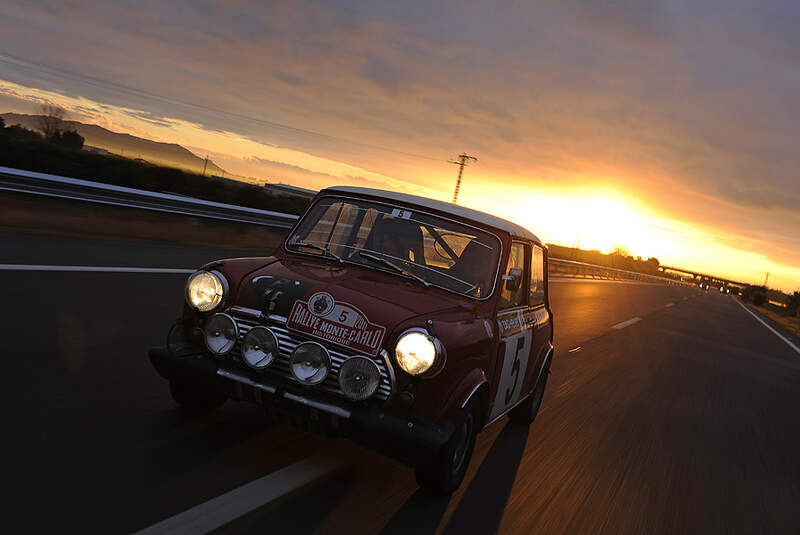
column 344, row 304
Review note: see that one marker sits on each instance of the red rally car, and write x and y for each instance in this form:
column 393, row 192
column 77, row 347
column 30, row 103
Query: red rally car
column 404, row 323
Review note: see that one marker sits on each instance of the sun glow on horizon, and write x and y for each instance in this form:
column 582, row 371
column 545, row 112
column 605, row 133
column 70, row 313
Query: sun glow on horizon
column 602, row 220
column 589, row 219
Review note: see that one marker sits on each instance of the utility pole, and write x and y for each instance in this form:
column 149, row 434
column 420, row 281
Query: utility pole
column 766, row 279
column 463, row 159
column 205, row 164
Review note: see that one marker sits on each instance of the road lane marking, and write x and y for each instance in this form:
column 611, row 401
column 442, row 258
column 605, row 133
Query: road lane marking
column 91, row 269
column 226, row 508
column 765, row 324
column 604, row 281
column 574, row 349
column 669, row 305
column 627, row 323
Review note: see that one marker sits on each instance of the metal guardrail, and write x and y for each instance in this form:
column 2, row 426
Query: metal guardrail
column 84, row 190
column 572, row 269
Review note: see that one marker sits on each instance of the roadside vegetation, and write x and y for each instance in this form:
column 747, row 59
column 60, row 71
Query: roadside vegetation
column 58, row 152
column 764, row 300
column 755, row 295
column 619, row 258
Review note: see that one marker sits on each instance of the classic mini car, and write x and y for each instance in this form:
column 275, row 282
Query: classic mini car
column 404, row 323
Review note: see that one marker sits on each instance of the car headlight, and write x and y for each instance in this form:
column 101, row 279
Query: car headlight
column 416, row 352
column 205, row 290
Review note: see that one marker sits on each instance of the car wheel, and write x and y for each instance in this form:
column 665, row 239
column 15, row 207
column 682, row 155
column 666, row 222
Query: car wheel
column 445, row 474
column 195, row 398
column 525, row 413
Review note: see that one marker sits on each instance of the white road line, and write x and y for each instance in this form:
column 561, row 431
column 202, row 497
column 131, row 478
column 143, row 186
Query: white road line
column 605, row 281
column 669, row 305
column 91, row 269
column 765, row 324
column 223, row 509
column 627, row 323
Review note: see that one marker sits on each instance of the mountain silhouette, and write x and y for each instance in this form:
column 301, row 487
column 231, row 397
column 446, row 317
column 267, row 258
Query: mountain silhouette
column 169, row 154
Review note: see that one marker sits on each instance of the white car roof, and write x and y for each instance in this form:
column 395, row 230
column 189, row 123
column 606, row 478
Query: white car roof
column 450, row 208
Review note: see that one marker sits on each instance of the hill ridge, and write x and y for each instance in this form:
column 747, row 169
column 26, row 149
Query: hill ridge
column 127, row 145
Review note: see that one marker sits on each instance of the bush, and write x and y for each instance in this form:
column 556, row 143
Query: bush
column 750, row 292
column 759, row 299
column 18, row 133
column 69, row 139
column 793, row 306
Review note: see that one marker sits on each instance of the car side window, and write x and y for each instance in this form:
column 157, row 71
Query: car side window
column 536, row 296
column 512, row 293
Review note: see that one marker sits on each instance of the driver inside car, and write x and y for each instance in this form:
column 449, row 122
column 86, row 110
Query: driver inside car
column 474, row 260
column 398, row 239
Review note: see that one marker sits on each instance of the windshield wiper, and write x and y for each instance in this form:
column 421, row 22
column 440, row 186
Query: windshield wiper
column 387, row 263
column 325, row 250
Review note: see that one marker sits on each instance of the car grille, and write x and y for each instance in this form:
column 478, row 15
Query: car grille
column 246, row 319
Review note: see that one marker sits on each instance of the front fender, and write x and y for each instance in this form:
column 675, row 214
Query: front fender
column 470, row 386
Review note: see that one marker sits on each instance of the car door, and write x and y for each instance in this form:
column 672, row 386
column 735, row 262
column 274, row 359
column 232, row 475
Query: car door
column 537, row 316
column 515, row 330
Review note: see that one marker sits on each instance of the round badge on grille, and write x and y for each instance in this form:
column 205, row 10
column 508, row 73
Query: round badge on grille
column 259, row 347
column 359, row 378
column 310, row 363
column 220, row 333
column 321, row 303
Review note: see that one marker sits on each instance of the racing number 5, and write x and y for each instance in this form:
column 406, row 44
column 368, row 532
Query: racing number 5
column 343, row 316
column 515, row 369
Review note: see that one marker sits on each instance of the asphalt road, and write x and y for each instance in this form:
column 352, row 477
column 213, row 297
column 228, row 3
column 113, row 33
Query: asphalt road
column 683, row 421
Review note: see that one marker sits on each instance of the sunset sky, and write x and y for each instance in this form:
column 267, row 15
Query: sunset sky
column 672, row 128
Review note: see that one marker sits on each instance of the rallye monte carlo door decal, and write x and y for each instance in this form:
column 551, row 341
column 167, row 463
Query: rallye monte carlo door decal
column 333, row 321
column 516, row 334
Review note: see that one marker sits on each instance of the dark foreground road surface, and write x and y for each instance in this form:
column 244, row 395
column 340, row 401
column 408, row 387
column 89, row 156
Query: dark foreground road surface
column 682, row 421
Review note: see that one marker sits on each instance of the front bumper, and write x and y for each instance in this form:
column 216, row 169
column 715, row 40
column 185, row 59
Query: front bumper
column 409, row 440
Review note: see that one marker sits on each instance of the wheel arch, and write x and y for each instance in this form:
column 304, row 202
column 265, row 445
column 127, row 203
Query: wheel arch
column 475, row 386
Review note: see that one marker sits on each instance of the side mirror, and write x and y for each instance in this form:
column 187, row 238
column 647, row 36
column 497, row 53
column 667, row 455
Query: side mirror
column 513, row 280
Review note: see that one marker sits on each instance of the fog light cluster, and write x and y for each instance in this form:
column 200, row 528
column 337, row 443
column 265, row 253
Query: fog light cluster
column 259, row 347
column 359, row 378
column 310, row 363
column 220, row 333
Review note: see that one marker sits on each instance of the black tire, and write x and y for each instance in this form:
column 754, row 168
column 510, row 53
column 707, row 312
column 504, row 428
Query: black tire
column 525, row 413
column 445, row 474
column 196, row 398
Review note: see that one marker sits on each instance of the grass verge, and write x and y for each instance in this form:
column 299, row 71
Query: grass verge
column 790, row 323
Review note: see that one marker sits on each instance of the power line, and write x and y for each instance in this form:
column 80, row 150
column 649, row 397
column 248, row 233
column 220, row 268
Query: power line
column 105, row 84
column 463, row 160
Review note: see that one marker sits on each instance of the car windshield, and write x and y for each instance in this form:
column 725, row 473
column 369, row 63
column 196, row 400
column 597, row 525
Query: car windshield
column 433, row 250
